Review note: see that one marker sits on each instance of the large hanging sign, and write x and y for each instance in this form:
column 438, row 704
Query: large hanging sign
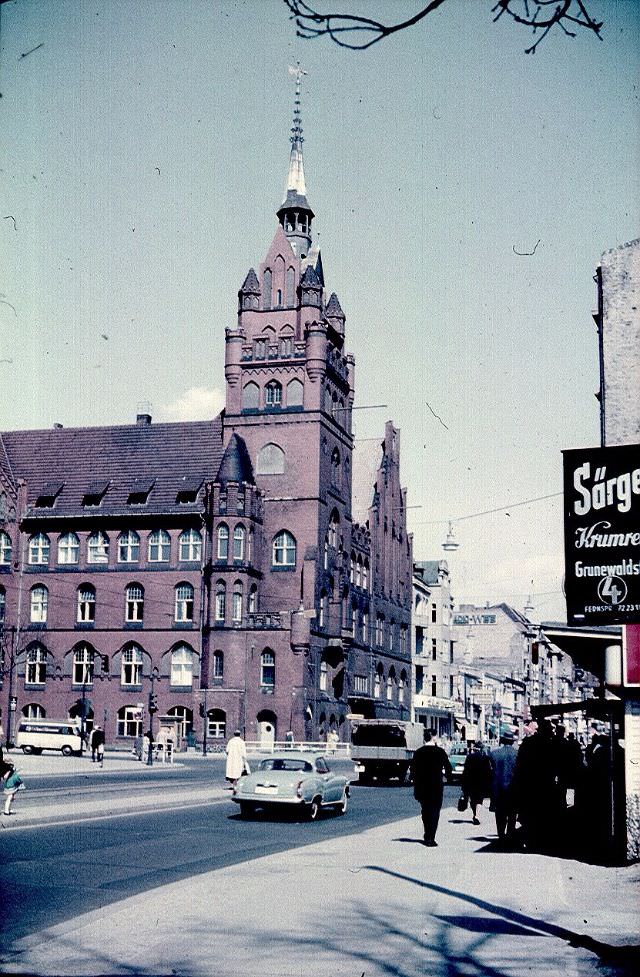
column 602, row 535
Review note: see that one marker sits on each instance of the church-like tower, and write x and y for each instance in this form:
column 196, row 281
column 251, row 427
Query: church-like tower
column 289, row 396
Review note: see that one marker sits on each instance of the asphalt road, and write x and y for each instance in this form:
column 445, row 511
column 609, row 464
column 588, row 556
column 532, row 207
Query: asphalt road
column 49, row 874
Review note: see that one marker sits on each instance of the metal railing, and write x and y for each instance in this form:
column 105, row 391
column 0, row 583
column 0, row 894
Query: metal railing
column 308, row 746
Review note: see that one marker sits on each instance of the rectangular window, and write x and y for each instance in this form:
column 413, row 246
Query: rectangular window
column 434, row 613
column 451, row 689
column 419, row 679
column 131, row 667
column 360, row 684
column 451, row 652
column 419, row 641
column 434, row 649
column 434, row 685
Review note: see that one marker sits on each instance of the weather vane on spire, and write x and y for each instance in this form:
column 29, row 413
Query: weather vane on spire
column 295, row 179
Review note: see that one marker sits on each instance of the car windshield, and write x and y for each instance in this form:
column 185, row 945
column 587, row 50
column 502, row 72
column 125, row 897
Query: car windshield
column 280, row 763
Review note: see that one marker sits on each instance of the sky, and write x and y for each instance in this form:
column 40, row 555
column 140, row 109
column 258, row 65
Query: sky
column 144, row 155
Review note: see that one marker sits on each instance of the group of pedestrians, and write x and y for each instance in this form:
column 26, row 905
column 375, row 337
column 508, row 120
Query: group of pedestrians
column 528, row 785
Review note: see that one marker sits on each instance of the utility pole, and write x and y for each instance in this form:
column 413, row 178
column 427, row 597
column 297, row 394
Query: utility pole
column 11, row 705
column 153, row 708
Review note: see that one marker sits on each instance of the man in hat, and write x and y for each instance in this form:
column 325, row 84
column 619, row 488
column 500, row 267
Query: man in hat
column 503, row 762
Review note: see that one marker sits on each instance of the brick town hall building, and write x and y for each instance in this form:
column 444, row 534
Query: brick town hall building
column 215, row 563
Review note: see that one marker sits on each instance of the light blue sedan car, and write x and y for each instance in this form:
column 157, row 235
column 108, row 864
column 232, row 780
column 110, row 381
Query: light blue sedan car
column 300, row 780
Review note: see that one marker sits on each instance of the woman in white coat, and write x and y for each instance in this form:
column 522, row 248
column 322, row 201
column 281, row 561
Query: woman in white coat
column 236, row 758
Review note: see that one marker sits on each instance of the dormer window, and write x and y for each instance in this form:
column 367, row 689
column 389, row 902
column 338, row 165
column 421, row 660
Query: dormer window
column 188, row 489
column 50, row 492
column 94, row 493
column 139, row 491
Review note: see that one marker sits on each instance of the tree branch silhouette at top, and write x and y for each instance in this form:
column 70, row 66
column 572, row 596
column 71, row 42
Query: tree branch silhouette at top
column 358, row 33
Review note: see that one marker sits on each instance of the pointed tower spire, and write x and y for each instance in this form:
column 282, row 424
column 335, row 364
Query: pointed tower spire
column 294, row 213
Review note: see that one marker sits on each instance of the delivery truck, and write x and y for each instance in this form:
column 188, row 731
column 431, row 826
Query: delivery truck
column 382, row 748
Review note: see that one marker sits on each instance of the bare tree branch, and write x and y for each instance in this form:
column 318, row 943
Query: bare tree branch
column 358, row 33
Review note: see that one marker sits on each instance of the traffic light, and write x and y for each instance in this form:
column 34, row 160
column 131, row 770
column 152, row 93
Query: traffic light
column 201, row 709
column 153, row 702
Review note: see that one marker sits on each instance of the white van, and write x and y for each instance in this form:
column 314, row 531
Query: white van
column 36, row 735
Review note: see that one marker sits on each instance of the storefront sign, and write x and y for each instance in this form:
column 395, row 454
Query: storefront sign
column 464, row 619
column 602, row 535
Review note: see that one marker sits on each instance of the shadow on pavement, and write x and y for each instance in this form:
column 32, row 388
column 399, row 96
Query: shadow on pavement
column 625, row 957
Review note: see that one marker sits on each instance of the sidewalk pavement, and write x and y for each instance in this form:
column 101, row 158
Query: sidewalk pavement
column 376, row 903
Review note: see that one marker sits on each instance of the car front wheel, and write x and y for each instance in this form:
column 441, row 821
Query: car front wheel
column 314, row 809
column 66, row 751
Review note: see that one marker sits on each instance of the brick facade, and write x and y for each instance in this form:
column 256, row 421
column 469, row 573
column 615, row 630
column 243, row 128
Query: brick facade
column 216, row 562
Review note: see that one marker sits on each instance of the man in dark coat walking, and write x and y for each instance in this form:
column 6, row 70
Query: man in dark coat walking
column 427, row 767
column 503, row 762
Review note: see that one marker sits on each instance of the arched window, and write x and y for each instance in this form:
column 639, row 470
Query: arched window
column 402, row 686
column 217, row 724
column 39, row 604
column 283, row 552
column 129, row 721
column 267, row 669
column 159, row 550
column 286, row 346
column 273, row 394
column 222, row 552
column 131, row 668
column 253, row 599
column 34, row 711
column 221, row 601
column 68, row 549
column 251, row 391
column 334, row 525
column 260, row 350
column 236, row 603
column 185, row 717
column 98, row 548
column 36, row 670
column 335, row 468
column 325, row 561
column 218, row 664
column 295, row 393
column 5, row 549
column 290, row 288
column 238, row 543
column 365, row 575
column 86, row 603
column 83, row 665
column 39, row 549
column 352, row 568
column 128, row 547
column 134, row 603
column 391, row 681
column 190, row 546
column 322, row 616
column 183, row 611
column 182, row 667
column 359, row 572
column 377, row 681
column 270, row 460
column 324, row 668
column 266, row 289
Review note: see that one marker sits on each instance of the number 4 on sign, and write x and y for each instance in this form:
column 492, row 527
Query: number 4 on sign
column 613, row 590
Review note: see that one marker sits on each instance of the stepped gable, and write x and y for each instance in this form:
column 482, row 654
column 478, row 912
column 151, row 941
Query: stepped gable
column 166, row 456
column 236, row 463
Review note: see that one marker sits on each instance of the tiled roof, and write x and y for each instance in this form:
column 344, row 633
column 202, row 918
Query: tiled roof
column 118, row 457
column 310, row 278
